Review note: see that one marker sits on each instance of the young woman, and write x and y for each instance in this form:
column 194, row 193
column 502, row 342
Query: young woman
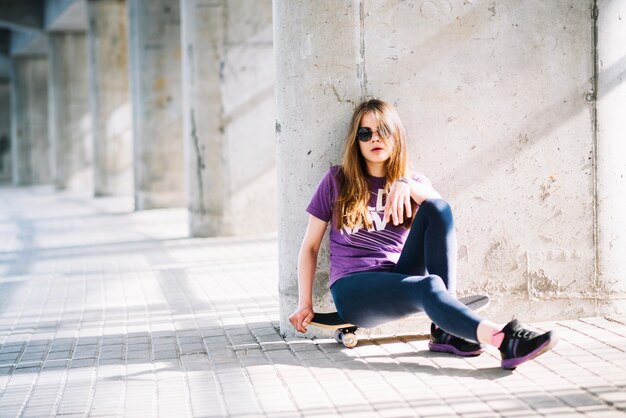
column 393, row 246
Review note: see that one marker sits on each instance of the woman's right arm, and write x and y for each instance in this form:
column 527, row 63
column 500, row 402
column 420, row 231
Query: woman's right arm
column 307, row 264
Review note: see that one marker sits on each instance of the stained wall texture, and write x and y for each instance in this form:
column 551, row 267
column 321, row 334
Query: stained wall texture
column 155, row 68
column 229, row 114
column 611, row 149
column 109, row 87
column 70, row 118
column 498, row 99
column 30, row 146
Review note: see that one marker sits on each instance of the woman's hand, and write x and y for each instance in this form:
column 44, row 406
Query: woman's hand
column 301, row 317
column 398, row 204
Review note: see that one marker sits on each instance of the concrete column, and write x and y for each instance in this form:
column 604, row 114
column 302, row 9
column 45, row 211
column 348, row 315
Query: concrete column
column 30, row 146
column 5, row 130
column 156, row 96
column 491, row 121
column 229, row 114
column 611, row 153
column 110, row 97
column 70, row 118
column 317, row 88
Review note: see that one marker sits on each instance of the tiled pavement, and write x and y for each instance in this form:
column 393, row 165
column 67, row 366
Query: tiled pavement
column 106, row 312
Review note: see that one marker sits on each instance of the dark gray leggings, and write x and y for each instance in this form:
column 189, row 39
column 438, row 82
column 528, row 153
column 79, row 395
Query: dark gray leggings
column 424, row 279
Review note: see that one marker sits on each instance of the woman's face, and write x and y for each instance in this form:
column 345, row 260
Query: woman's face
column 376, row 151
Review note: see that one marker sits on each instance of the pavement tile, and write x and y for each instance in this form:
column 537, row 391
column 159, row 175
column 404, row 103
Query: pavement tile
column 9, row 358
column 12, row 348
column 83, row 362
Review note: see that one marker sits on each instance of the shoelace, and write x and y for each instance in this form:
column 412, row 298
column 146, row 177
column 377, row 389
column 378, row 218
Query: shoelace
column 524, row 333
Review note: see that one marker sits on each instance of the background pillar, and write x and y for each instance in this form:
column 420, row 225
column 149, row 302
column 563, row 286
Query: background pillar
column 491, row 121
column 5, row 130
column 110, row 97
column 156, row 96
column 30, row 146
column 611, row 155
column 70, row 118
column 229, row 116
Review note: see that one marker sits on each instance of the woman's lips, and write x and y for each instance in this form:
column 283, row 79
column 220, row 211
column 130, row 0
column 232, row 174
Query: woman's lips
column 377, row 149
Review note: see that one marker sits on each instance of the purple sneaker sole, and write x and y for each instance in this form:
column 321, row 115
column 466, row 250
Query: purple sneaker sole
column 512, row 363
column 447, row 348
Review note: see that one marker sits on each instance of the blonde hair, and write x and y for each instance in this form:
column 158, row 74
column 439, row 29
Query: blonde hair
column 354, row 191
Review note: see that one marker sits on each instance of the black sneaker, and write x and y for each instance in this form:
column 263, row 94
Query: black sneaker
column 443, row 342
column 520, row 345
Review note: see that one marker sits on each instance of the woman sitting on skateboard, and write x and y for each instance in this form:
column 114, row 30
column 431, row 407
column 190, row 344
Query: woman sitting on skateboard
column 389, row 259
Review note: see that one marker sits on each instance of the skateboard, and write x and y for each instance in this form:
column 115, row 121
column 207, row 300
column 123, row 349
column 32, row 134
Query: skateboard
column 345, row 332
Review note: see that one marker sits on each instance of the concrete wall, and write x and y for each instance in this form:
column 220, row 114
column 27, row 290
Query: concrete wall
column 30, row 146
column 611, row 150
column 70, row 118
column 156, row 96
column 110, row 98
column 317, row 88
column 5, row 130
column 492, row 121
column 228, row 76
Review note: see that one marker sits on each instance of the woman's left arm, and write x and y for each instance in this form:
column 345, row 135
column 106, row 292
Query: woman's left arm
column 398, row 204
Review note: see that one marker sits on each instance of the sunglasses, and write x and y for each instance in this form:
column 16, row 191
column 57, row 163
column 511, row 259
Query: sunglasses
column 365, row 134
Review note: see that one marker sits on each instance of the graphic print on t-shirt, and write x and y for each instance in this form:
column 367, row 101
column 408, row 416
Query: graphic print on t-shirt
column 376, row 235
column 377, row 215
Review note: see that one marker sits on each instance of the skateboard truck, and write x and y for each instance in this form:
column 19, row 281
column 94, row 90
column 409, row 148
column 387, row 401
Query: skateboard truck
column 344, row 332
column 346, row 336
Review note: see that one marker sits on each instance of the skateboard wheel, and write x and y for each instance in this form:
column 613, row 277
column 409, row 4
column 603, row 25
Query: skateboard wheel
column 349, row 340
column 338, row 336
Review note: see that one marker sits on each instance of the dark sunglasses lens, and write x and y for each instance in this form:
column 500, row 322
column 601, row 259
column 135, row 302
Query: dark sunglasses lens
column 364, row 134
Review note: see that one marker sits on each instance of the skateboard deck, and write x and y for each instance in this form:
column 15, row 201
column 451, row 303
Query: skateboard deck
column 345, row 332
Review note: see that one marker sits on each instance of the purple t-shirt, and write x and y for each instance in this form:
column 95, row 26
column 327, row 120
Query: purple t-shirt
column 357, row 249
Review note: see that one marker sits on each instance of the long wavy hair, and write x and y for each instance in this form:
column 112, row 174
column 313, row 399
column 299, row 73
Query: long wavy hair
column 354, row 191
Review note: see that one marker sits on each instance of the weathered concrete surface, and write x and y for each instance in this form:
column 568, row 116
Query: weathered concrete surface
column 70, row 119
column 110, row 98
column 311, row 79
column 5, row 130
column 504, row 136
column 228, row 85
column 156, row 97
column 492, row 121
column 30, row 146
column 611, row 150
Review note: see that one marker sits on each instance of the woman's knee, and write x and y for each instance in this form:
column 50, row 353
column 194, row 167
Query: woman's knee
column 439, row 206
column 437, row 209
column 431, row 284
